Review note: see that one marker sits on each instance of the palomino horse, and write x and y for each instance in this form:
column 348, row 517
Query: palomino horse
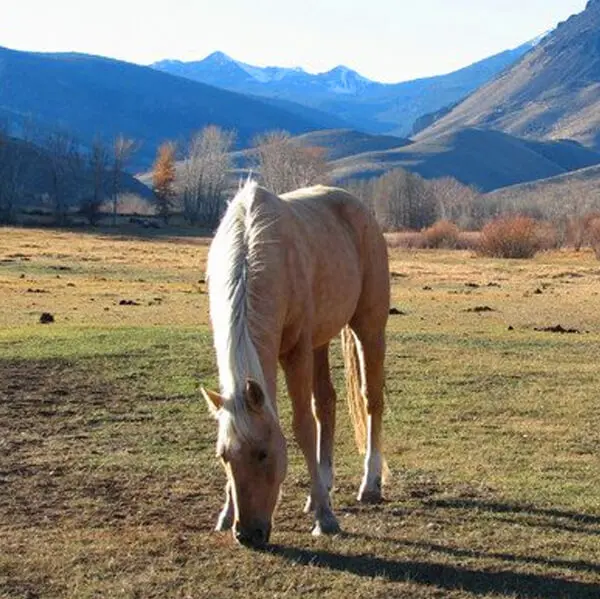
column 285, row 275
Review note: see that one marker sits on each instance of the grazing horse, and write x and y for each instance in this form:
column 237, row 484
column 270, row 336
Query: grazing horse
column 286, row 275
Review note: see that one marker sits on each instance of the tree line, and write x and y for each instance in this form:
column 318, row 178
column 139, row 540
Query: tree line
column 194, row 180
column 206, row 174
column 54, row 172
column 199, row 183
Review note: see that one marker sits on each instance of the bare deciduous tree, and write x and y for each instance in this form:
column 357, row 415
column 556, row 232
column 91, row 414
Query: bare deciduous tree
column 123, row 149
column 97, row 167
column 362, row 189
column 403, row 200
column 454, row 200
column 12, row 174
column 66, row 170
column 205, row 175
column 285, row 165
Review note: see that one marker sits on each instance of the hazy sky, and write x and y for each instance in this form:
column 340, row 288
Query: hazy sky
column 385, row 40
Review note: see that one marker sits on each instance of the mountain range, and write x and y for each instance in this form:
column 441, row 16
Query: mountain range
column 91, row 96
column 374, row 107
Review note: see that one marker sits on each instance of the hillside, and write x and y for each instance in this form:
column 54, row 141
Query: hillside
column 342, row 143
column 486, row 159
column 92, row 96
column 363, row 104
column 29, row 169
column 573, row 193
column 552, row 93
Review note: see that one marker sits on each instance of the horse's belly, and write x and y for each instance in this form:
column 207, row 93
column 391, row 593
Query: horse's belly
column 333, row 309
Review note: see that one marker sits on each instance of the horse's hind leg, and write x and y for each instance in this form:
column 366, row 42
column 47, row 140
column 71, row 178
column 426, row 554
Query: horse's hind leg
column 298, row 368
column 324, row 400
column 371, row 349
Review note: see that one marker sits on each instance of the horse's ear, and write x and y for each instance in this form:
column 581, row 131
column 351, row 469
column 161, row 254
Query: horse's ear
column 213, row 400
column 254, row 395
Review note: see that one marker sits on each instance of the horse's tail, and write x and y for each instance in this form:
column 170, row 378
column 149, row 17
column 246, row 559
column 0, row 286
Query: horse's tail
column 354, row 381
column 357, row 405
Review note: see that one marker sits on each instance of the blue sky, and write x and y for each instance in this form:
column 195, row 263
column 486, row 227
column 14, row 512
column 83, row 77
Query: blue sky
column 385, row 40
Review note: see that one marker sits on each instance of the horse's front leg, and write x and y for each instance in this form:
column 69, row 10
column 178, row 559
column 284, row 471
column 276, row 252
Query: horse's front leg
column 225, row 519
column 298, row 368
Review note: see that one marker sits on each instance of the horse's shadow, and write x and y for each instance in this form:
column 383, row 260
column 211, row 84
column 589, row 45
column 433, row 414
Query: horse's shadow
column 443, row 576
column 451, row 577
column 565, row 520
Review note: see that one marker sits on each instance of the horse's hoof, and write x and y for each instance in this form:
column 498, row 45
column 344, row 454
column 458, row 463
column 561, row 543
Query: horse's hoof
column 370, row 496
column 326, row 526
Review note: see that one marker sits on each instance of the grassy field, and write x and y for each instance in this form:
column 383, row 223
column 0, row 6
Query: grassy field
column 108, row 482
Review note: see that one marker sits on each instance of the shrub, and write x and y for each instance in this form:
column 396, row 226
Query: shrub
column 548, row 236
column 510, row 237
column 442, row 234
column 593, row 235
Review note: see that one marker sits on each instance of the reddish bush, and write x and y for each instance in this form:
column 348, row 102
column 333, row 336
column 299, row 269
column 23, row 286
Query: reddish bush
column 510, row 237
column 469, row 240
column 442, row 234
column 548, row 236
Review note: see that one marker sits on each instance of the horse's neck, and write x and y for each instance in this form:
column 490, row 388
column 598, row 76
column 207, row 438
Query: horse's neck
column 267, row 354
column 246, row 307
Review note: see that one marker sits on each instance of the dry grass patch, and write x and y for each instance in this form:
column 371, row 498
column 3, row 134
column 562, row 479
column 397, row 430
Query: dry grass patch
column 81, row 279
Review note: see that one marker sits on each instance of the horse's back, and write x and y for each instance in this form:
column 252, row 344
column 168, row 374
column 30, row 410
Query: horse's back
column 344, row 254
column 336, row 218
column 333, row 216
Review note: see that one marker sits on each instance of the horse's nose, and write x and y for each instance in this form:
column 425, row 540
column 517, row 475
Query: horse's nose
column 256, row 536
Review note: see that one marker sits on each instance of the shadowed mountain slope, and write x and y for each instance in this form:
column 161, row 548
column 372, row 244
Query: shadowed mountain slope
column 486, row 159
column 341, row 143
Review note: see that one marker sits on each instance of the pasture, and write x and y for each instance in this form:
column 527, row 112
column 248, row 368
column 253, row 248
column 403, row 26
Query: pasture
column 108, row 482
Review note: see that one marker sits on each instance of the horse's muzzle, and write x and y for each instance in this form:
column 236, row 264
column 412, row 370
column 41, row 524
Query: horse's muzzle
column 255, row 536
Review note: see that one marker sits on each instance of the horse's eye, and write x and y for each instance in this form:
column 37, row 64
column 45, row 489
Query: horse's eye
column 261, row 456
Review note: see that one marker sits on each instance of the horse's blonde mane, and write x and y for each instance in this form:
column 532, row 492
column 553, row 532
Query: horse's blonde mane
column 231, row 264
